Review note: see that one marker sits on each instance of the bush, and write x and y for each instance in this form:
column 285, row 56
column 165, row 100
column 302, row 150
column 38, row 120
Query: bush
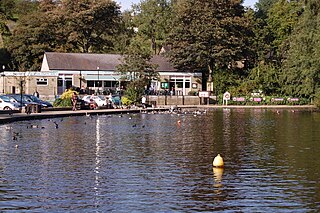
column 317, row 100
column 125, row 101
column 64, row 100
column 193, row 93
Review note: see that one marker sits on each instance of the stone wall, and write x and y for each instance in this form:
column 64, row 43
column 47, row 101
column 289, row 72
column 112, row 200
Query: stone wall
column 173, row 100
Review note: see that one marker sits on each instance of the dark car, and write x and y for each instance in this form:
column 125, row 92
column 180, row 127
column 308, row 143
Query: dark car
column 32, row 98
column 16, row 98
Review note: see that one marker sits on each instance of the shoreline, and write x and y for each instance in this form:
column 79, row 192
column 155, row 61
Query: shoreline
column 66, row 112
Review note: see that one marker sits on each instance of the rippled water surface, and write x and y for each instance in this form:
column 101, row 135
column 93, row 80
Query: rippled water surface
column 153, row 163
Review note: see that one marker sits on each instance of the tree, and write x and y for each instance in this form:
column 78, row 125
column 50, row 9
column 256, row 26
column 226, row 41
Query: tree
column 272, row 33
column 282, row 19
column 126, row 32
column 263, row 7
column 138, row 70
column 210, row 36
column 34, row 34
column 301, row 76
column 66, row 26
column 90, row 24
column 153, row 19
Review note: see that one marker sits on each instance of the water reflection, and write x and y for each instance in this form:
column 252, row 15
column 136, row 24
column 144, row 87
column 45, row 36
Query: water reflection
column 217, row 176
column 150, row 163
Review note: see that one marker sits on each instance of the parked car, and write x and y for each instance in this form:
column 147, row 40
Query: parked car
column 32, row 98
column 116, row 100
column 5, row 104
column 99, row 100
column 16, row 98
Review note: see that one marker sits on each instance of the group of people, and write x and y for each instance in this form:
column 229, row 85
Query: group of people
column 93, row 105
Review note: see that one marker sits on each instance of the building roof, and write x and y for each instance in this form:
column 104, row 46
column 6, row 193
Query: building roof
column 82, row 61
column 89, row 61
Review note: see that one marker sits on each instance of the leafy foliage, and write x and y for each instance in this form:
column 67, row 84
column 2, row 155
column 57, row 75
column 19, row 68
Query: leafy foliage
column 66, row 26
column 137, row 69
column 135, row 90
column 153, row 20
column 302, row 75
column 65, row 99
column 210, row 36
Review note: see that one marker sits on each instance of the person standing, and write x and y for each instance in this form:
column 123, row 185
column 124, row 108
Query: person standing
column 36, row 93
column 74, row 99
column 143, row 101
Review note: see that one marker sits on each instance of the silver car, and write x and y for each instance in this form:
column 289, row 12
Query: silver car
column 5, row 104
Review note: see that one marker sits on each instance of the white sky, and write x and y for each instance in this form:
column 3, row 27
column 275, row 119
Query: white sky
column 126, row 4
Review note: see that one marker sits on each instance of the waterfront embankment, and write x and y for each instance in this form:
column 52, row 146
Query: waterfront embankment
column 6, row 117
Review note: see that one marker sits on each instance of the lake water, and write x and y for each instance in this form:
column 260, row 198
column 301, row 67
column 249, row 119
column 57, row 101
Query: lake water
column 153, row 163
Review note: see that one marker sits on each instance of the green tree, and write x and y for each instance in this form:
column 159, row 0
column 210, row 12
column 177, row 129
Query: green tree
column 137, row 69
column 263, row 7
column 34, row 34
column 153, row 19
column 66, row 26
column 210, row 36
column 301, row 75
column 272, row 32
column 90, row 24
column 126, row 32
column 282, row 19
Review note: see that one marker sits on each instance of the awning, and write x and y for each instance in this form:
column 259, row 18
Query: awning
column 101, row 78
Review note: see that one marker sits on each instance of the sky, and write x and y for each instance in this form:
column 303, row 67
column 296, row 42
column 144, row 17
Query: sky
column 126, row 4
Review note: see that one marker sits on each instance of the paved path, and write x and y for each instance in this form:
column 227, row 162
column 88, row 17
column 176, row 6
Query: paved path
column 7, row 118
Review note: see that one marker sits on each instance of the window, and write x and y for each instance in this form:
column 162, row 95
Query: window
column 94, row 83
column 178, row 82
column 90, row 83
column 42, row 82
column 110, row 84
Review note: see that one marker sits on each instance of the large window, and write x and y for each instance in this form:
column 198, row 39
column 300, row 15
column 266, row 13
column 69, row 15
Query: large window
column 94, row 83
column 178, row 83
column 42, row 82
column 111, row 84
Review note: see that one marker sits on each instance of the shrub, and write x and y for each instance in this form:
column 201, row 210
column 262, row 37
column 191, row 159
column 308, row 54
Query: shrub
column 125, row 101
column 64, row 100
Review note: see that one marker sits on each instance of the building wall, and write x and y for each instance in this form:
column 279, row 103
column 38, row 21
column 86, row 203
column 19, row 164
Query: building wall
column 173, row 100
column 28, row 83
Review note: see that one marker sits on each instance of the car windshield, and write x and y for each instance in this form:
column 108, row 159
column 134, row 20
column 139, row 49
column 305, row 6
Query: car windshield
column 33, row 98
column 15, row 97
column 5, row 98
column 102, row 97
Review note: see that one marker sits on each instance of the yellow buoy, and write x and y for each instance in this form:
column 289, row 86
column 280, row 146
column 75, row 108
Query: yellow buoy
column 218, row 161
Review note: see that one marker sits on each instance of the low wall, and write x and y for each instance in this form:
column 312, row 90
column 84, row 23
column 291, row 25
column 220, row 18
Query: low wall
column 173, row 100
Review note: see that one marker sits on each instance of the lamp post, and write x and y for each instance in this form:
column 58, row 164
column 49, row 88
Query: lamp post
column 3, row 67
column 80, row 78
column 98, row 68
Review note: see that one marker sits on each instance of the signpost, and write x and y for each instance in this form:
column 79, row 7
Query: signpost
column 203, row 95
column 226, row 98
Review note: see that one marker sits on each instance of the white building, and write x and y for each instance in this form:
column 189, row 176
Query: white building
column 99, row 72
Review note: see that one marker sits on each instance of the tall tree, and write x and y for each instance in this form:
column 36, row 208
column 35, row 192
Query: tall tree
column 301, row 75
column 34, row 34
column 137, row 69
column 210, row 35
column 272, row 33
column 282, row 19
column 153, row 19
column 263, row 7
column 90, row 24
column 65, row 26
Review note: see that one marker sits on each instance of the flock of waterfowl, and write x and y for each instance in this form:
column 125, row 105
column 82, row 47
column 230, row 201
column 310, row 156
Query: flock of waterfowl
column 217, row 161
